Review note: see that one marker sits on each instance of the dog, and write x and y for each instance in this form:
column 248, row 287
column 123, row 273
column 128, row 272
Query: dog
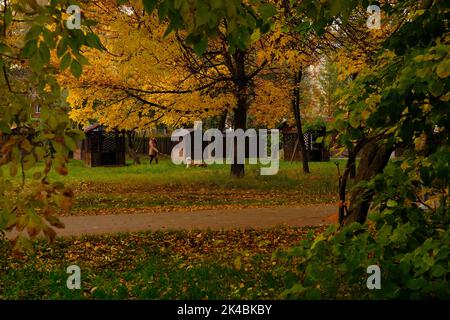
column 191, row 163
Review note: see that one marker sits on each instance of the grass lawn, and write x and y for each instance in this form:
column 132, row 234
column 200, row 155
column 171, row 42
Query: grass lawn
column 232, row 264
column 161, row 265
column 167, row 187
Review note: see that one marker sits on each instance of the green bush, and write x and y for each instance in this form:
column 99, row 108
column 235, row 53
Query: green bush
column 407, row 240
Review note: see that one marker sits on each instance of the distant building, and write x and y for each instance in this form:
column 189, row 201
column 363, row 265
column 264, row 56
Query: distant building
column 102, row 147
column 316, row 151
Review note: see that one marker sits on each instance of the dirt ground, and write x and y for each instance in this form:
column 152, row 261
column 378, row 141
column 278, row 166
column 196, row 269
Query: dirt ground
column 222, row 219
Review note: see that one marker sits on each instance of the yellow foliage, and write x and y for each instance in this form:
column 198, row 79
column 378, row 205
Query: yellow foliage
column 130, row 84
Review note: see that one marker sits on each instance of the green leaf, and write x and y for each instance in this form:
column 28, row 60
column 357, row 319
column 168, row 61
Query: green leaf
column 150, row 5
column 48, row 37
column 443, row 69
column 8, row 17
column 201, row 45
column 384, row 234
column 81, row 59
column 76, row 68
column 61, row 47
column 163, row 10
column 4, row 48
column 216, row 4
column 436, row 87
column 267, row 11
column 93, row 41
column 415, row 284
column 65, row 62
column 4, row 127
column 29, row 49
column 392, row 203
column 90, row 22
column 33, row 33
column 202, row 15
column 36, row 61
column 75, row 42
column 335, row 7
column 44, row 52
column 70, row 143
column 438, row 270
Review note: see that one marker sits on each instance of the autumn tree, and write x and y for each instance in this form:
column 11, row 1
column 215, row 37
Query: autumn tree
column 356, row 46
column 399, row 101
column 298, row 50
column 31, row 33
column 137, row 82
column 381, row 128
column 236, row 71
column 149, row 76
column 329, row 86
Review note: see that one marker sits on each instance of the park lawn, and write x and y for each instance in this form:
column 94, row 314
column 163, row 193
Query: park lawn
column 168, row 187
column 235, row 264
column 231, row 264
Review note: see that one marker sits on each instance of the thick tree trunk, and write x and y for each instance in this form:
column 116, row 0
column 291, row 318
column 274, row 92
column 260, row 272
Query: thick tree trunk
column 223, row 121
column 131, row 148
column 298, row 120
column 351, row 164
column 240, row 113
column 374, row 158
column 353, row 171
column 350, row 167
column 240, row 122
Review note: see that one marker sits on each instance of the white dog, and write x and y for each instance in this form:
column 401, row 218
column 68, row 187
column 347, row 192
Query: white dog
column 188, row 162
column 191, row 163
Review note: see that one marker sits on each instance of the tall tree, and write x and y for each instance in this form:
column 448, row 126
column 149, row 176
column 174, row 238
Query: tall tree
column 298, row 121
column 163, row 79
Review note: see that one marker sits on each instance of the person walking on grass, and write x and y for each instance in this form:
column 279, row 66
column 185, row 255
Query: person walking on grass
column 153, row 150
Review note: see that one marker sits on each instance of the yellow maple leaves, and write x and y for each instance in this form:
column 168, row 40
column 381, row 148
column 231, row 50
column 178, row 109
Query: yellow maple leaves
column 135, row 82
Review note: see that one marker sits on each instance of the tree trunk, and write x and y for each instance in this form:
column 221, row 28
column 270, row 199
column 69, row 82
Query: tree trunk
column 298, row 120
column 131, row 148
column 351, row 163
column 240, row 112
column 350, row 167
column 353, row 171
column 374, row 158
column 223, row 121
column 240, row 122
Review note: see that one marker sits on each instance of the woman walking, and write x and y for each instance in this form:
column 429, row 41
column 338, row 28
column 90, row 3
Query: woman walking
column 153, row 150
